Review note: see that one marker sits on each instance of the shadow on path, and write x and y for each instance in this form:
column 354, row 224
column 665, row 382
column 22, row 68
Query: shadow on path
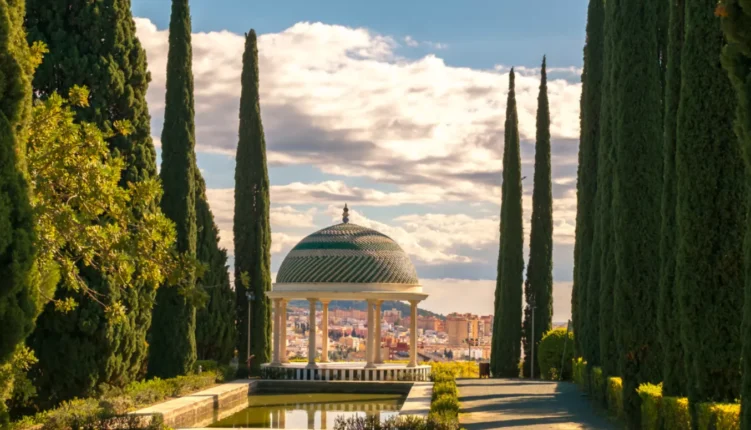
column 515, row 403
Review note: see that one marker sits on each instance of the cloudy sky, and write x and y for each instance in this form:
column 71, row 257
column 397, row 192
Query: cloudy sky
column 395, row 108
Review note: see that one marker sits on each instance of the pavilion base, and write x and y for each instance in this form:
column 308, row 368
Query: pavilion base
column 345, row 371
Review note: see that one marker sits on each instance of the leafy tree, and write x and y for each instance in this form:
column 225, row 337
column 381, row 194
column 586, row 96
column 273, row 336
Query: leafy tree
column 172, row 339
column 637, row 188
column 586, row 185
column 215, row 323
column 711, row 213
column 736, row 58
column 589, row 281
column 93, row 44
column 539, row 285
column 673, row 369
column 507, row 340
column 251, row 221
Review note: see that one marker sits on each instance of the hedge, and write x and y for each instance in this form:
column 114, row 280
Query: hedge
column 658, row 412
column 549, row 353
column 598, row 386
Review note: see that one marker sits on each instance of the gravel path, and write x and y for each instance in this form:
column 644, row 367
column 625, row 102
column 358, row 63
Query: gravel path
column 518, row 403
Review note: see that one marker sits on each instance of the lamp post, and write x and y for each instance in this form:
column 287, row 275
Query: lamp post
column 249, row 294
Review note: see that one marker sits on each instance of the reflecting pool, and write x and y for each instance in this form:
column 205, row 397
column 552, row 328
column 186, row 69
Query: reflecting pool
column 310, row 410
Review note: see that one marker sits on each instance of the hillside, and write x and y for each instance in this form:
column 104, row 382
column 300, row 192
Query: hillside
column 361, row 305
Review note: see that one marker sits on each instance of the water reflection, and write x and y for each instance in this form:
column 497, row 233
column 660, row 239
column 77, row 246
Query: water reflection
column 310, row 411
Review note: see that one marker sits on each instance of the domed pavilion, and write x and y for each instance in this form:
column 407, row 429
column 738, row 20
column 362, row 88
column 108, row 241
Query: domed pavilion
column 345, row 262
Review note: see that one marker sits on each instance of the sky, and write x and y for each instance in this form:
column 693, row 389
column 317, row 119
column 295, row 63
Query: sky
column 395, row 108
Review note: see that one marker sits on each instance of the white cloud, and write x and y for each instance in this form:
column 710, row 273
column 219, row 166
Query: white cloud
column 411, row 42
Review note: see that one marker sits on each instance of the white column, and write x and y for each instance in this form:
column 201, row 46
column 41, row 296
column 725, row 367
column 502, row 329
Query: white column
column 413, row 334
column 378, row 359
column 371, row 335
column 312, row 334
column 283, row 332
column 325, row 332
column 277, row 337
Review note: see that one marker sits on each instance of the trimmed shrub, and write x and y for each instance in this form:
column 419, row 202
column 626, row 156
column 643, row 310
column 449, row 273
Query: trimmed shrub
column 615, row 397
column 579, row 373
column 598, row 386
column 460, row 369
column 651, row 403
column 445, row 387
column 550, row 353
column 719, row 416
column 675, row 413
column 394, row 423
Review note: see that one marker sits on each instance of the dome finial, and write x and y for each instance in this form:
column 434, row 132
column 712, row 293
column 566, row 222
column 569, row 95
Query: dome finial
column 345, row 214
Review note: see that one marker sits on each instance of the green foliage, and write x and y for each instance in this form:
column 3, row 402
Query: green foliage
column 636, row 109
column 651, row 405
column 453, row 370
column 579, row 372
column 13, row 380
column 402, row 422
column 18, row 303
column 718, row 416
column 506, row 347
column 673, row 369
column 711, row 214
column 93, row 44
column 172, row 339
column 252, row 231
column 615, row 398
column 538, row 288
column 444, row 404
column 551, row 353
column 736, row 59
column 605, row 232
column 598, row 385
column 215, row 322
column 586, row 264
column 675, row 413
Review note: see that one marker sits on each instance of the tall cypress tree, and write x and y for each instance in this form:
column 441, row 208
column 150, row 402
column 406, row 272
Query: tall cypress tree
column 215, row 322
column 507, row 340
column 93, row 43
column 673, row 370
column 586, row 184
column 637, row 189
column 589, row 141
column 172, row 338
column 605, row 228
column 736, row 59
column 17, row 294
column 251, row 223
column 711, row 213
column 539, row 286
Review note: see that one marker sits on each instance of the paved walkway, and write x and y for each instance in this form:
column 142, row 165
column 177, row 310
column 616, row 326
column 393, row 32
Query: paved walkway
column 518, row 403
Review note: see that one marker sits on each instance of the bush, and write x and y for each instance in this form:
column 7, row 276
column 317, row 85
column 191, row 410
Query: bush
column 651, row 406
column 460, row 369
column 445, row 387
column 675, row 413
column 394, row 423
column 550, row 353
column 579, row 373
column 615, row 397
column 719, row 416
column 597, row 386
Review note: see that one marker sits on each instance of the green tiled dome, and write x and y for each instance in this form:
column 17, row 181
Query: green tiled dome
column 347, row 253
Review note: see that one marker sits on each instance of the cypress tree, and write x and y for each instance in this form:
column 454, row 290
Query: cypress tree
column 605, row 228
column 93, row 43
column 215, row 322
column 673, row 370
column 586, row 184
column 172, row 338
column 539, row 286
column 736, row 59
column 637, row 188
column 590, row 136
column 251, row 222
column 507, row 340
column 711, row 213
column 17, row 294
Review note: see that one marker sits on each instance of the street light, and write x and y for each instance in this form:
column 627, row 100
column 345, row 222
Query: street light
column 249, row 294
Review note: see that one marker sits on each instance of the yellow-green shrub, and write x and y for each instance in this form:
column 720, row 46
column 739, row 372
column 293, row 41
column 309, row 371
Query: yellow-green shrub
column 651, row 406
column 615, row 397
column 460, row 369
column 719, row 416
column 579, row 372
column 675, row 413
column 598, row 385
column 552, row 346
